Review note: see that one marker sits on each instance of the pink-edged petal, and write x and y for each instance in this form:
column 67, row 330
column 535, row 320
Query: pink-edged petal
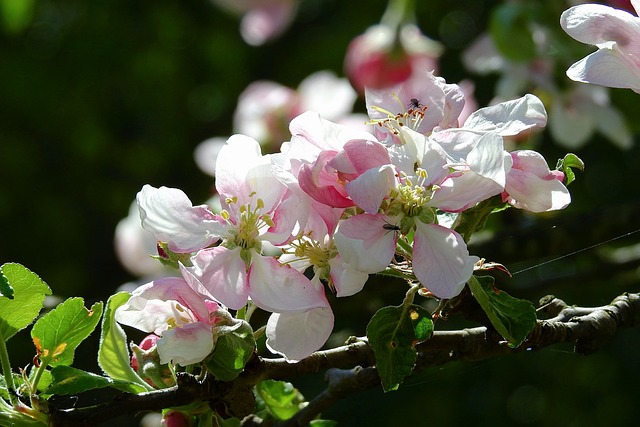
column 170, row 216
column 321, row 182
column 223, row 273
column 279, row 288
column 151, row 305
column 596, row 24
column 346, row 280
column 532, row 186
column 358, row 156
column 185, row 345
column 441, row 260
column 509, row 118
column 606, row 67
column 463, row 190
column 364, row 243
column 371, row 187
column 296, row 336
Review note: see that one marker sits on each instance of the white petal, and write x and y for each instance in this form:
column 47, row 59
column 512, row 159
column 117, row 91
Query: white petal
column 346, row 280
column 297, row 336
column 186, row 345
column 279, row 288
column 606, row 67
column 509, row 118
column 170, row 216
column 441, row 260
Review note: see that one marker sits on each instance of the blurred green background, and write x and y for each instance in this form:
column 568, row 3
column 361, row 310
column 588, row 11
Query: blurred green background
column 99, row 98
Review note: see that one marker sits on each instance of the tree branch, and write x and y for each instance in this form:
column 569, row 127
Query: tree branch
column 588, row 328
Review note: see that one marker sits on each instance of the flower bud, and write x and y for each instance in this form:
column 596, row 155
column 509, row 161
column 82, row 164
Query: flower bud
column 175, row 419
column 146, row 362
column 383, row 57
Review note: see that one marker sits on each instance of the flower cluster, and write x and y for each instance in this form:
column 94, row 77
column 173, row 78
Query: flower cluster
column 337, row 203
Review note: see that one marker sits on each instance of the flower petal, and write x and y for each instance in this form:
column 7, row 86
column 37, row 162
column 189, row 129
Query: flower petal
column 279, row 288
column 364, row 243
column 170, row 216
column 223, row 273
column 441, row 260
column 186, row 345
column 296, row 336
column 509, row 118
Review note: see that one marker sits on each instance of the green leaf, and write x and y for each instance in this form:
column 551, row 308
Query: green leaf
column 513, row 318
column 567, row 164
column 113, row 354
column 57, row 334
column 29, row 292
column 5, row 288
column 393, row 333
column 323, row 423
column 510, row 30
column 68, row 380
column 281, row 398
column 16, row 15
column 234, row 347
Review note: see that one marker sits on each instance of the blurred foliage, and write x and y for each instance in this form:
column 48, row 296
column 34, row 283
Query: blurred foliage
column 99, row 98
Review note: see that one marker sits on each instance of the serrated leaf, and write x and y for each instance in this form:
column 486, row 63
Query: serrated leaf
column 393, row 333
column 67, row 380
column 281, row 398
column 234, row 347
column 513, row 318
column 113, row 354
column 29, row 292
column 58, row 333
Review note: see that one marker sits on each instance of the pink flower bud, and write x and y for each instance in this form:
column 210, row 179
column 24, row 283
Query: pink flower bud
column 383, row 57
column 148, row 342
column 175, row 419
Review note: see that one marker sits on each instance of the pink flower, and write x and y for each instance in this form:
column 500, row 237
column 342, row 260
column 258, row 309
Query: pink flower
column 183, row 318
column 380, row 58
column 532, row 186
column 616, row 33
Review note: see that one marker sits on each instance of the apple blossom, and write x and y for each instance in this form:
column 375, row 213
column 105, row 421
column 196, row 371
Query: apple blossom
column 616, row 34
column 532, row 186
column 183, row 318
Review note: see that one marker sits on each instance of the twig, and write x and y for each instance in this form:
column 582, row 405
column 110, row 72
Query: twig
column 588, row 328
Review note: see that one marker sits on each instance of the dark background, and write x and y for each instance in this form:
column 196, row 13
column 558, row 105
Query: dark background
column 99, row 98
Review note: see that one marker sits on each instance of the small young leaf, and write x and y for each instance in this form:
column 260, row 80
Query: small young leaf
column 234, row 347
column 57, row 334
column 567, row 164
column 68, row 380
column 393, row 333
column 281, row 398
column 113, row 354
column 28, row 299
column 513, row 318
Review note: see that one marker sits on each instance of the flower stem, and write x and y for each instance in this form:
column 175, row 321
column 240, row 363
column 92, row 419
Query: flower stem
column 6, row 370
